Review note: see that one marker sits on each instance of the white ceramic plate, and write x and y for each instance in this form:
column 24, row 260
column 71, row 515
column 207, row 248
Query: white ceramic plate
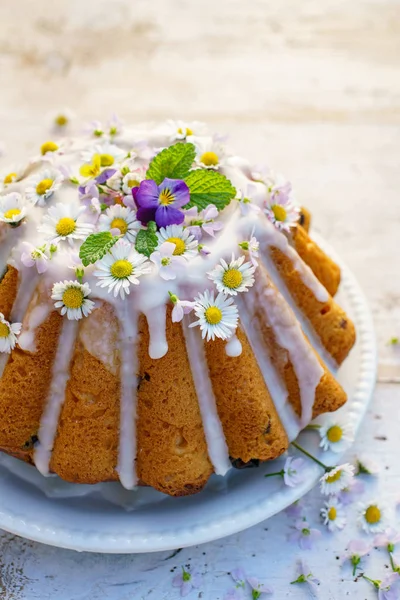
column 106, row 518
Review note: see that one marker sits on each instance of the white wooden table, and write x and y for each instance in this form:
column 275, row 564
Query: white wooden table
column 313, row 87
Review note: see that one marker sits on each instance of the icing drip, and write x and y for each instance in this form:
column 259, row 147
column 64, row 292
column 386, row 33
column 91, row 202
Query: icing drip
column 26, row 288
column 273, row 383
column 52, row 411
column 288, row 334
column 233, row 347
column 217, row 448
column 128, row 321
column 156, row 317
column 37, row 316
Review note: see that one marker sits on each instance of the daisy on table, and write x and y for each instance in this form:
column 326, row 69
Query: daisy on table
column 372, row 516
column 333, row 514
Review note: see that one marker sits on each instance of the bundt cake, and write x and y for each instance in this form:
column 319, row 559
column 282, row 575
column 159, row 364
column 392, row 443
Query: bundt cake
column 164, row 314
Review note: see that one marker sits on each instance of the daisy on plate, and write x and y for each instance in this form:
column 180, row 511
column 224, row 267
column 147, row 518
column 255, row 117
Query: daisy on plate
column 333, row 514
column 217, row 317
column 12, row 208
column 121, row 268
column 372, row 516
column 122, row 219
column 335, row 436
column 8, row 334
column 109, row 154
column 34, row 256
column 181, row 130
column 168, row 264
column 337, row 479
column 185, row 243
column 72, row 298
column 43, row 185
column 65, row 222
column 11, row 175
column 233, row 277
column 210, row 154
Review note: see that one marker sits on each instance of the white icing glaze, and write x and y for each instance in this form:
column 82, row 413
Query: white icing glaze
column 36, row 317
column 217, row 448
column 56, row 397
column 233, row 347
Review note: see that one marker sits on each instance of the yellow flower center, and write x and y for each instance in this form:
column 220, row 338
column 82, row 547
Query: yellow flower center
column 9, row 178
column 106, row 160
column 13, row 212
column 188, row 131
column 65, row 226
column 166, row 197
column 48, row 147
column 372, row 515
column 213, row 315
column 121, row 269
column 43, row 186
column 73, row 297
column 332, row 513
column 334, row 477
column 4, row 330
column 120, row 224
column 179, row 245
column 334, row 434
column 61, row 120
column 232, row 278
column 280, row 212
column 210, row 159
column 132, row 183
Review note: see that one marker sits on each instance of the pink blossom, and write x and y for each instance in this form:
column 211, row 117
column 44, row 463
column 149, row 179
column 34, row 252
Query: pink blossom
column 303, row 534
column 181, row 307
column 168, row 265
column 186, row 581
column 32, row 256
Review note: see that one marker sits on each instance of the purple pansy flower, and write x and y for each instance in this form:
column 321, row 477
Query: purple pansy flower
column 303, row 534
column 187, row 581
column 161, row 203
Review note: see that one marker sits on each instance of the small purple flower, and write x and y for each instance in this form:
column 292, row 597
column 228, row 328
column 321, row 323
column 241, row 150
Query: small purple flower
column 355, row 550
column 239, row 577
column 169, row 265
column 89, row 190
column 348, row 495
column 258, row 588
column 388, row 539
column 203, row 222
column 303, row 534
column 104, row 175
column 295, row 510
column 304, row 575
column 389, row 588
column 32, row 256
column 233, row 594
column 161, row 203
column 181, row 307
column 187, row 581
column 292, row 471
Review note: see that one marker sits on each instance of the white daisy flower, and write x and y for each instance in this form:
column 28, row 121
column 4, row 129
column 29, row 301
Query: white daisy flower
column 65, row 222
column 50, row 149
column 109, row 154
column 133, row 179
column 32, row 255
column 121, row 218
column 72, row 298
column 12, row 208
column 216, row 317
column 43, row 185
column 237, row 276
column 185, row 243
column 335, row 436
column 280, row 207
column 61, row 119
column 333, row 514
column 168, row 264
column 181, row 130
column 337, row 479
column 11, row 175
column 210, row 154
column 372, row 516
column 120, row 268
column 8, row 334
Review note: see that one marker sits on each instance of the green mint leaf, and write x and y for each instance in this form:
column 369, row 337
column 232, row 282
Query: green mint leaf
column 174, row 162
column 96, row 246
column 209, row 187
column 146, row 239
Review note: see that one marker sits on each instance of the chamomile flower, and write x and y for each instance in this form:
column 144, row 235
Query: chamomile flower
column 333, row 514
column 72, row 298
column 168, row 264
column 50, row 149
column 133, row 179
column 8, row 334
column 231, row 278
column 217, row 317
column 109, row 154
column 335, row 436
column 65, row 222
column 121, row 268
column 61, row 119
column 337, row 479
column 280, row 207
column 34, row 256
column 11, row 175
column 181, row 130
column 43, row 185
column 121, row 218
column 12, row 208
column 185, row 244
column 210, row 154
column 372, row 516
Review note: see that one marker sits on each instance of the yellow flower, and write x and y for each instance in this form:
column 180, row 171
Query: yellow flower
column 92, row 169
